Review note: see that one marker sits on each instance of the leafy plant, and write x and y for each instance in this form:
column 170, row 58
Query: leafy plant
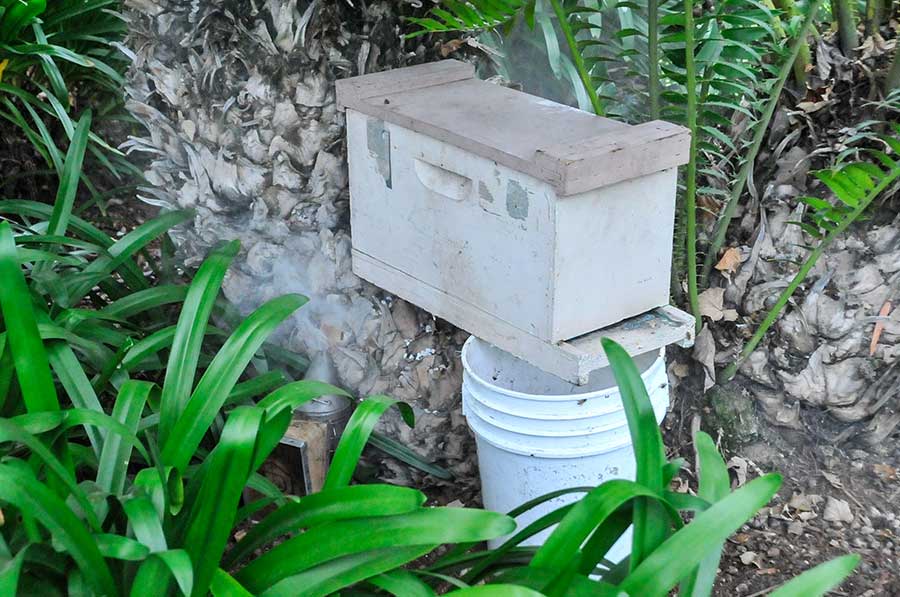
column 145, row 494
column 727, row 64
column 856, row 185
column 155, row 515
column 54, row 56
column 759, row 131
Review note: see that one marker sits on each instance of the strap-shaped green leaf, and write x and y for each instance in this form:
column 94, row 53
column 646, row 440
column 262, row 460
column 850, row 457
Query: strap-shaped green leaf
column 68, row 182
column 326, row 579
column 355, row 436
column 323, row 507
column 27, row 347
column 224, row 585
column 153, row 576
column 818, row 580
column 321, row 544
column 402, row 583
column 651, row 523
column 564, row 544
column 188, row 338
column 12, row 432
column 715, row 484
column 684, row 550
column 116, row 454
column 220, row 377
column 26, row 493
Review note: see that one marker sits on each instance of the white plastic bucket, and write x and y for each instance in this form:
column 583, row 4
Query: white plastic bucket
column 537, row 433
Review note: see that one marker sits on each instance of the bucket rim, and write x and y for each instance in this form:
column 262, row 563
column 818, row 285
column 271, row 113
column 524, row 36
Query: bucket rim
column 513, row 447
column 525, row 395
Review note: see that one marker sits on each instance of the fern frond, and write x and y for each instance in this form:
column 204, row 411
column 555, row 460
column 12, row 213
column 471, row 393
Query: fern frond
column 473, row 16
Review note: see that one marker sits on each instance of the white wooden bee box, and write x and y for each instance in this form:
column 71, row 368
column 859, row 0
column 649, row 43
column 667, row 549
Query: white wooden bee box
column 513, row 217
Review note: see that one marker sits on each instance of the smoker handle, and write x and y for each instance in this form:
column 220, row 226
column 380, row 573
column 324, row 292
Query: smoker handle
column 442, row 180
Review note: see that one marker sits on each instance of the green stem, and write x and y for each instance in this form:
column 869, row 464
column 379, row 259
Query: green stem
column 690, row 183
column 759, row 134
column 802, row 62
column 775, row 311
column 653, row 56
column 577, row 58
column 893, row 78
column 846, row 22
column 873, row 16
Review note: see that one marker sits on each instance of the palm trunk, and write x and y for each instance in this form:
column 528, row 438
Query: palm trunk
column 244, row 128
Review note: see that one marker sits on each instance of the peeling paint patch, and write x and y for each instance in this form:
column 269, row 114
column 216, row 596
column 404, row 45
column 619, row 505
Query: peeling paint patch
column 378, row 141
column 484, row 193
column 516, row 200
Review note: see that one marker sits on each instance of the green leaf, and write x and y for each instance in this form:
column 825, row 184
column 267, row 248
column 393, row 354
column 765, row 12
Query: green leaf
column 68, row 181
column 144, row 300
column 129, row 405
column 842, row 186
column 26, row 493
column 563, row 546
column 189, row 334
column 819, row 580
column 402, row 583
column 398, row 450
column 339, row 573
column 10, row 431
column 10, row 570
column 219, row 378
column 213, row 511
column 326, row 506
column 684, row 550
column 715, row 484
column 355, row 436
column 128, row 246
column 224, row 585
column 28, row 352
column 145, row 523
column 292, row 395
column 651, row 523
column 153, row 576
column 327, row 542
column 120, row 548
column 78, row 387
column 498, row 590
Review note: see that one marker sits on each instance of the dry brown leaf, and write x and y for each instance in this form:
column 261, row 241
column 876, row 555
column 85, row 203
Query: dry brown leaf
column 682, row 370
column 810, row 107
column 879, row 327
column 451, row 46
column 730, row 261
column 833, row 479
column 804, row 502
column 885, row 471
column 739, row 466
column 837, row 511
column 705, row 354
column 712, row 303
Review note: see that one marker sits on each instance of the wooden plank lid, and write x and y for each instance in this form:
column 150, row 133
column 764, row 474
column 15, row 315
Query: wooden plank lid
column 573, row 150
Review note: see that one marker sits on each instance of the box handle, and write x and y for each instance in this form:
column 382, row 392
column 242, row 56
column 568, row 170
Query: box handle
column 443, row 181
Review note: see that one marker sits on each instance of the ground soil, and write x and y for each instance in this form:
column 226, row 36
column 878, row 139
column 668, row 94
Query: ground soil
column 793, row 533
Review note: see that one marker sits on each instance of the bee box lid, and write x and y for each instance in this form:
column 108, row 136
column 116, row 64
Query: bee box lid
column 572, row 150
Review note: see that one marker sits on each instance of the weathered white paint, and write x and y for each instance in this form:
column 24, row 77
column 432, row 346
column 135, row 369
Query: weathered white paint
column 473, row 201
column 570, row 149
